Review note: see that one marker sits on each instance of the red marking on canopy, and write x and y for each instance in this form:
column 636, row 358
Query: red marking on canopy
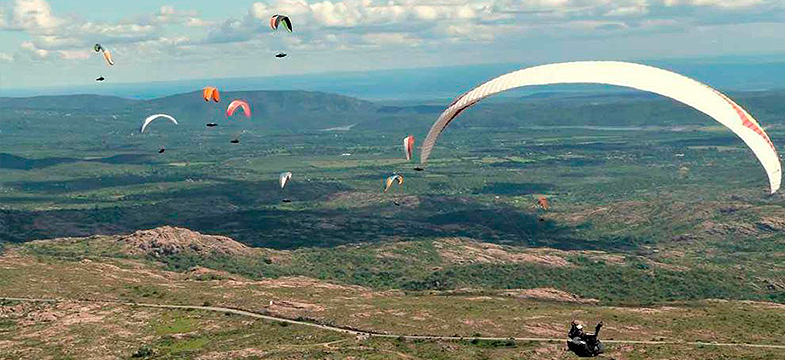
column 747, row 122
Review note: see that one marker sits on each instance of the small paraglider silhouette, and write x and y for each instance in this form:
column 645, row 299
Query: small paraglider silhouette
column 283, row 179
column 100, row 78
column 161, row 151
column 418, row 169
column 280, row 55
column 212, row 124
column 236, row 139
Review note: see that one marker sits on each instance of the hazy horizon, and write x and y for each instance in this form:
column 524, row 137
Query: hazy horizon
column 423, row 83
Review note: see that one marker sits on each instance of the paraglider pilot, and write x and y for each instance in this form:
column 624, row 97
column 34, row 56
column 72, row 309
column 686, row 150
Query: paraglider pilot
column 583, row 344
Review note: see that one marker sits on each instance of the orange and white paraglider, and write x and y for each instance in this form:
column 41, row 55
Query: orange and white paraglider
column 106, row 53
column 392, row 180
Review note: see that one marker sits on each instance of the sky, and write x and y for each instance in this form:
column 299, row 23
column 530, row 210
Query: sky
column 50, row 43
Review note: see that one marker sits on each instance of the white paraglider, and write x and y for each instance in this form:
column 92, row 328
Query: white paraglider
column 642, row 77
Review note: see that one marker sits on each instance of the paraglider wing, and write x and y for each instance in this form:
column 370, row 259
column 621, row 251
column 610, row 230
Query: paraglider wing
column 408, row 146
column 286, row 23
column 642, row 77
column 542, row 202
column 277, row 20
column 284, row 178
column 392, row 179
column 238, row 103
column 150, row 119
column 211, row 93
column 108, row 57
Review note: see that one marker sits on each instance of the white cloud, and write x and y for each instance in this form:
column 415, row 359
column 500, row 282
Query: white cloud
column 351, row 24
column 5, row 57
column 383, row 39
column 623, row 11
column 197, row 22
column 74, row 54
column 31, row 49
column 3, row 17
column 34, row 16
column 717, row 3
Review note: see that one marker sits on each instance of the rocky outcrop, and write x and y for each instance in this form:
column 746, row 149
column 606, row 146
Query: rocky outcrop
column 167, row 241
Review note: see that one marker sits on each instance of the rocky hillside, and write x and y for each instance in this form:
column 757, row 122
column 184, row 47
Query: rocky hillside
column 168, row 240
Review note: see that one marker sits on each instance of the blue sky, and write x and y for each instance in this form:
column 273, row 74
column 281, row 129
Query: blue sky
column 49, row 42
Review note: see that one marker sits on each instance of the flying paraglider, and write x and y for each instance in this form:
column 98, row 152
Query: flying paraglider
column 408, row 146
column 284, row 178
column 235, row 141
column 106, row 53
column 238, row 103
column 161, row 151
column 392, row 179
column 100, row 78
column 277, row 20
column 642, row 77
column 211, row 93
column 542, row 203
column 150, row 119
column 211, row 124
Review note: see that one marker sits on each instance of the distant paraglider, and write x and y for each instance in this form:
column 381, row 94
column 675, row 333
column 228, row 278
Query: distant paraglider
column 284, row 179
column 211, row 124
column 106, row 53
column 151, row 118
column 542, row 203
column 211, row 93
column 408, row 146
column 100, row 78
column 680, row 88
column 241, row 104
column 277, row 20
column 391, row 180
column 389, row 183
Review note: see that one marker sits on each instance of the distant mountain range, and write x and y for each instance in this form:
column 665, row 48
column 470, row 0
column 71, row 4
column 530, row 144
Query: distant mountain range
column 423, row 83
column 303, row 111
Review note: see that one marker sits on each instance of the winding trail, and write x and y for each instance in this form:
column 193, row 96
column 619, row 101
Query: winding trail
column 357, row 332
